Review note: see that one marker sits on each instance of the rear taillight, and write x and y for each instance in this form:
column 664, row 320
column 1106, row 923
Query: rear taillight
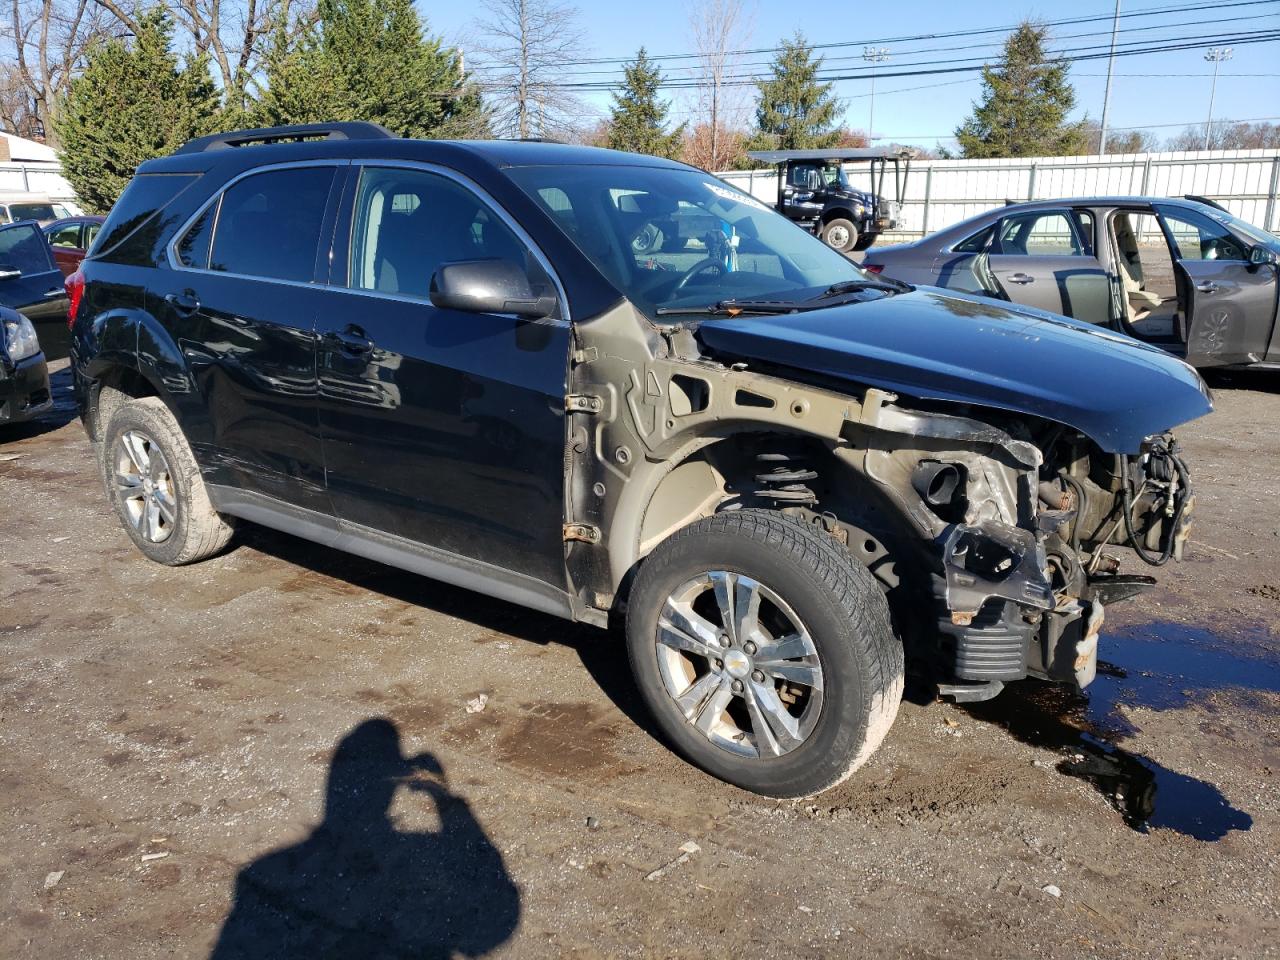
column 873, row 267
column 75, row 291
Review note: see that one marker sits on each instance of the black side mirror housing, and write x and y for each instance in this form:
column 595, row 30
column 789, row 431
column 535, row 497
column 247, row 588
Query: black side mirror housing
column 488, row 286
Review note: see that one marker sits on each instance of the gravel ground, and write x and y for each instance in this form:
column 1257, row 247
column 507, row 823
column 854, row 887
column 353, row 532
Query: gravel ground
column 270, row 754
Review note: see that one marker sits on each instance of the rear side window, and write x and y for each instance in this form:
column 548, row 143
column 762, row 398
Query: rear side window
column 23, row 248
column 976, row 243
column 146, row 196
column 268, row 225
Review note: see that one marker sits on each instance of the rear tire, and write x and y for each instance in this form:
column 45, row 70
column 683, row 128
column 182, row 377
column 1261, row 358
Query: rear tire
column 155, row 487
column 764, row 652
column 840, row 234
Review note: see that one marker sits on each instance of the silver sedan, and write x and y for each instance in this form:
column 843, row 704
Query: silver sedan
column 1181, row 273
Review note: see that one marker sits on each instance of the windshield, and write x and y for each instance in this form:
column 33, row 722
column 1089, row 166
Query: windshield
column 671, row 239
column 1254, row 234
column 32, row 211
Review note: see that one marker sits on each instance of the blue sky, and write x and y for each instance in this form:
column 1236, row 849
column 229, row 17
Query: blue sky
column 1162, row 92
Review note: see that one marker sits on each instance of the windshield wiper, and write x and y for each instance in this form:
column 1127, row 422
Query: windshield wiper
column 732, row 308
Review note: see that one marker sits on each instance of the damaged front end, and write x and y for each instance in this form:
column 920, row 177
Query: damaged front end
column 1026, row 575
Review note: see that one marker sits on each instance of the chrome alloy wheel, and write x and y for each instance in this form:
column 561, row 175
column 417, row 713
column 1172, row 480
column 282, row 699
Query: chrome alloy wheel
column 739, row 664
column 144, row 485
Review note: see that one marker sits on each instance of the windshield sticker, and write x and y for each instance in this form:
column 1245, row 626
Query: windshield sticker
column 726, row 194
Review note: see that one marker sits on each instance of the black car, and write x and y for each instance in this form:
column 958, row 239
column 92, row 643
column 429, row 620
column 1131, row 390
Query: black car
column 31, row 294
column 788, row 476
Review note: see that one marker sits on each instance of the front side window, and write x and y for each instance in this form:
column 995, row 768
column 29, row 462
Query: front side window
column 673, row 238
column 67, row 236
column 23, row 248
column 408, row 222
column 266, row 225
column 1048, row 234
column 1196, row 237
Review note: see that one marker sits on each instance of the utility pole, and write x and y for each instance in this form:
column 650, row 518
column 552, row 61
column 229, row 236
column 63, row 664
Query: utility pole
column 1214, row 55
column 1106, row 96
column 873, row 55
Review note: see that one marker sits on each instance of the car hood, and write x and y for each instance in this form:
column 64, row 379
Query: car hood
column 939, row 345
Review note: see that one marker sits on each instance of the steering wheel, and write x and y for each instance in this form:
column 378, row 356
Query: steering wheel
column 699, row 267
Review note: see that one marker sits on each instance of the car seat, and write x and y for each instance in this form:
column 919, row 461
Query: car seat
column 1138, row 302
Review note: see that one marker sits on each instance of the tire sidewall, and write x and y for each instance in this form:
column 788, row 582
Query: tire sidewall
column 842, row 724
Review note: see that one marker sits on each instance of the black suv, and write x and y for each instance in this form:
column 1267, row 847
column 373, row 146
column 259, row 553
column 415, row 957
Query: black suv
column 786, row 474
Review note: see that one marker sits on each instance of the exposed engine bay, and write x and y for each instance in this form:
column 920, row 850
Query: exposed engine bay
column 993, row 534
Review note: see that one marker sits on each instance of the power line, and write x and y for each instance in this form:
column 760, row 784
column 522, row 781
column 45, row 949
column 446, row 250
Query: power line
column 983, row 31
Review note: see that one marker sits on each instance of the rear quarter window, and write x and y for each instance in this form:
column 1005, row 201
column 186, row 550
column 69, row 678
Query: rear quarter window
column 134, row 226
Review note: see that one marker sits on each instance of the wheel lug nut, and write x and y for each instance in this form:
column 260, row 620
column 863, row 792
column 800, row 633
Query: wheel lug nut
column 749, row 648
column 757, row 676
column 737, row 686
column 724, row 639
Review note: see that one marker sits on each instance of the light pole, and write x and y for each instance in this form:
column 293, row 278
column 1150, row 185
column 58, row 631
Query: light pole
column 1106, row 96
column 873, row 55
column 1214, row 55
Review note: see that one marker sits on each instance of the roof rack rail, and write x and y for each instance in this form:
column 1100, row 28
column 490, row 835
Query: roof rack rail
column 354, row 130
column 1206, row 201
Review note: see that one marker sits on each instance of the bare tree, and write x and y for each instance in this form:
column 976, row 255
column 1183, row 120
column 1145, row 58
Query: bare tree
column 48, row 39
column 524, row 45
column 1228, row 135
column 719, row 27
column 233, row 33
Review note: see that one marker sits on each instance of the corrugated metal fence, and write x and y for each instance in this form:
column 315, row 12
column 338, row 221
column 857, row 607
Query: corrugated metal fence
column 942, row 192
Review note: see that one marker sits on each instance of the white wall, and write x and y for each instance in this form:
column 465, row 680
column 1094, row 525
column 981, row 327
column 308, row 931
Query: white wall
column 942, row 192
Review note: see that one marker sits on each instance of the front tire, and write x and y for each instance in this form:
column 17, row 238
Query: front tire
column 155, row 486
column 840, row 234
column 764, row 652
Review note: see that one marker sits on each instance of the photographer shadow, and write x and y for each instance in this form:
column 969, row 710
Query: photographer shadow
column 360, row 887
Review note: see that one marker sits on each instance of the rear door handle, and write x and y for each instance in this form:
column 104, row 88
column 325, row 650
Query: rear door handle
column 1207, row 286
column 185, row 302
column 1021, row 278
column 352, row 341
column 55, row 292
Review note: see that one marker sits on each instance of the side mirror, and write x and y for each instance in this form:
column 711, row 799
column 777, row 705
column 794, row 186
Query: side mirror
column 488, row 286
column 1261, row 255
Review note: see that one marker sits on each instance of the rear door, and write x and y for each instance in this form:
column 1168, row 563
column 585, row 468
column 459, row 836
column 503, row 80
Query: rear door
column 1230, row 303
column 243, row 296
column 68, row 245
column 1045, row 259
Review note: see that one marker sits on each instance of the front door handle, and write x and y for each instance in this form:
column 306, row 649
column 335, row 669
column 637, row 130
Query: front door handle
column 1207, row 286
column 1021, row 278
column 55, row 292
column 352, row 341
column 185, row 303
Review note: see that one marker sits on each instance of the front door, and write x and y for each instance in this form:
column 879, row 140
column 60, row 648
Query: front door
column 441, row 427
column 244, row 296
column 1230, row 302
column 1045, row 259
column 31, row 283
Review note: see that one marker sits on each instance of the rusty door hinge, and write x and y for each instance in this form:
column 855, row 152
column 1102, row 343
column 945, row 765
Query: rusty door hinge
column 583, row 403
column 582, row 531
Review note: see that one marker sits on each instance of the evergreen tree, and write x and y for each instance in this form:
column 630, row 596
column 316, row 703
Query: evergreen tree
column 133, row 102
column 369, row 60
column 638, row 119
column 1024, row 104
column 795, row 111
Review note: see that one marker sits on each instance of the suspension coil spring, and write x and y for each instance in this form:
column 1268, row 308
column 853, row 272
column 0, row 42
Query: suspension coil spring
column 784, row 479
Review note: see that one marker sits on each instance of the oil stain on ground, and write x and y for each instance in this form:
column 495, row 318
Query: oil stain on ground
column 1157, row 666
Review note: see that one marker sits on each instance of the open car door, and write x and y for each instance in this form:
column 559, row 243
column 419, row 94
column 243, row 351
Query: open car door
column 1229, row 303
column 31, row 283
